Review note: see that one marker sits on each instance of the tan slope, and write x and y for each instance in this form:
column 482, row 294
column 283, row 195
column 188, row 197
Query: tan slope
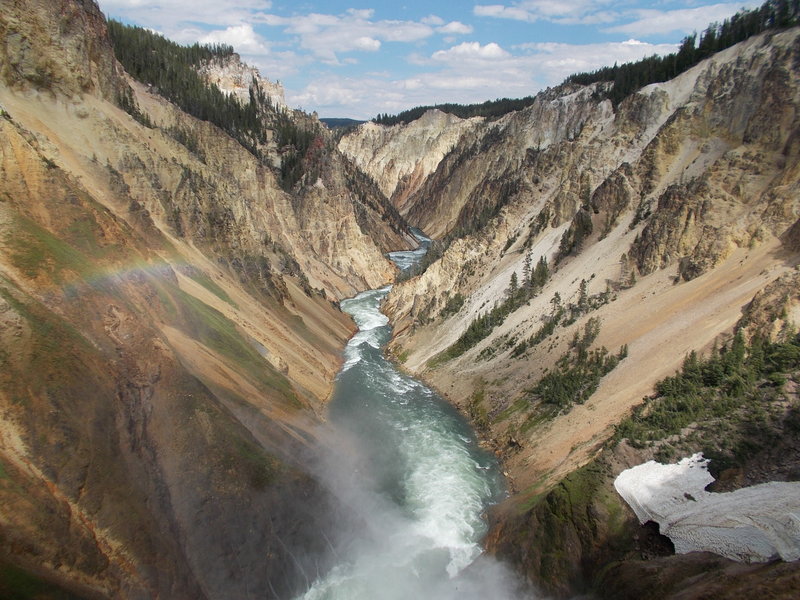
column 685, row 193
column 167, row 335
column 141, row 379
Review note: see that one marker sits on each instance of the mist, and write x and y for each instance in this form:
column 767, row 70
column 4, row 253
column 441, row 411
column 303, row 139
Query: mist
column 413, row 481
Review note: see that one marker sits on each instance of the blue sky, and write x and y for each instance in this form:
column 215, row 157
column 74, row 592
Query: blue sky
column 360, row 58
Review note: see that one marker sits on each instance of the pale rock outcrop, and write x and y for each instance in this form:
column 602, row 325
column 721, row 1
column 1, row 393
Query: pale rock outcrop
column 232, row 76
column 399, row 158
column 752, row 524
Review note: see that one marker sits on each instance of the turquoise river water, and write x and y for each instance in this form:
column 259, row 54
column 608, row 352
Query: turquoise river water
column 413, row 472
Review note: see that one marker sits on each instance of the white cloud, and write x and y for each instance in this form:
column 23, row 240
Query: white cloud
column 363, row 97
column 327, row 36
column 432, row 20
column 471, row 50
column 629, row 19
column 241, row 37
column 503, row 12
column 685, row 20
column 364, row 13
column 455, row 28
column 167, row 15
column 367, row 43
column 571, row 12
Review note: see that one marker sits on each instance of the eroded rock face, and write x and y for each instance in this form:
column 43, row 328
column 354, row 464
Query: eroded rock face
column 401, row 157
column 672, row 210
column 232, row 76
column 676, row 177
column 81, row 61
column 167, row 330
column 485, row 170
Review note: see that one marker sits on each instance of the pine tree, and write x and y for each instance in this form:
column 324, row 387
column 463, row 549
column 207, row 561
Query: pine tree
column 527, row 273
column 513, row 287
column 556, row 302
column 541, row 273
column 583, row 296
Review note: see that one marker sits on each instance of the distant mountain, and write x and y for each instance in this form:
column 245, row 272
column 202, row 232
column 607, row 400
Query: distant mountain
column 335, row 123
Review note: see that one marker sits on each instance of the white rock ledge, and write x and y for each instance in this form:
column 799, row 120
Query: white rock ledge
column 754, row 524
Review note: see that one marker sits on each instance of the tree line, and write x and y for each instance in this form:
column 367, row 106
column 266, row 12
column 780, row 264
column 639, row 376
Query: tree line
column 491, row 109
column 629, row 77
column 578, row 372
column 172, row 70
column 517, row 294
column 739, row 386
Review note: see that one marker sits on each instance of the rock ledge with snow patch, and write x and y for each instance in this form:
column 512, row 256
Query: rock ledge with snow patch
column 754, row 524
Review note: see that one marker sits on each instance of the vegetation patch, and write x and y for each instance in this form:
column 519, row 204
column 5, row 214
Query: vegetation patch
column 738, row 406
column 517, row 294
column 730, row 404
column 172, row 70
column 477, row 410
column 35, row 251
column 576, row 377
column 563, row 316
column 211, row 285
column 501, row 344
column 188, row 139
column 57, row 348
column 452, row 306
column 561, row 533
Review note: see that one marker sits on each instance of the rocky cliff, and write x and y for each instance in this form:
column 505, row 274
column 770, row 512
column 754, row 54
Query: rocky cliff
column 232, row 76
column 167, row 330
column 657, row 203
column 658, row 220
column 400, row 158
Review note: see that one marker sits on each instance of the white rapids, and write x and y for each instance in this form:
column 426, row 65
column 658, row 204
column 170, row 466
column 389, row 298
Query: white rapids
column 412, row 472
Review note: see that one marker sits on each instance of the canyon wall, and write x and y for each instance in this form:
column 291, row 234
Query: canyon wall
column 400, row 158
column 659, row 219
column 672, row 208
column 169, row 329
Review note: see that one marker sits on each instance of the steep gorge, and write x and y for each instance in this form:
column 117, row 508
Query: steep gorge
column 659, row 219
column 169, row 329
column 401, row 158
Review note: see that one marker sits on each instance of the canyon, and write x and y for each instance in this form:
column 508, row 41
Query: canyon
column 171, row 332
column 672, row 211
column 664, row 221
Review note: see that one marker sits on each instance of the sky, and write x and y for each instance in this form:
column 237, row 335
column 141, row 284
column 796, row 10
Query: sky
column 359, row 58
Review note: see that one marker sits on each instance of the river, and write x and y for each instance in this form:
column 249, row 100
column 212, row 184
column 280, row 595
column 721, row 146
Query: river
column 411, row 469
